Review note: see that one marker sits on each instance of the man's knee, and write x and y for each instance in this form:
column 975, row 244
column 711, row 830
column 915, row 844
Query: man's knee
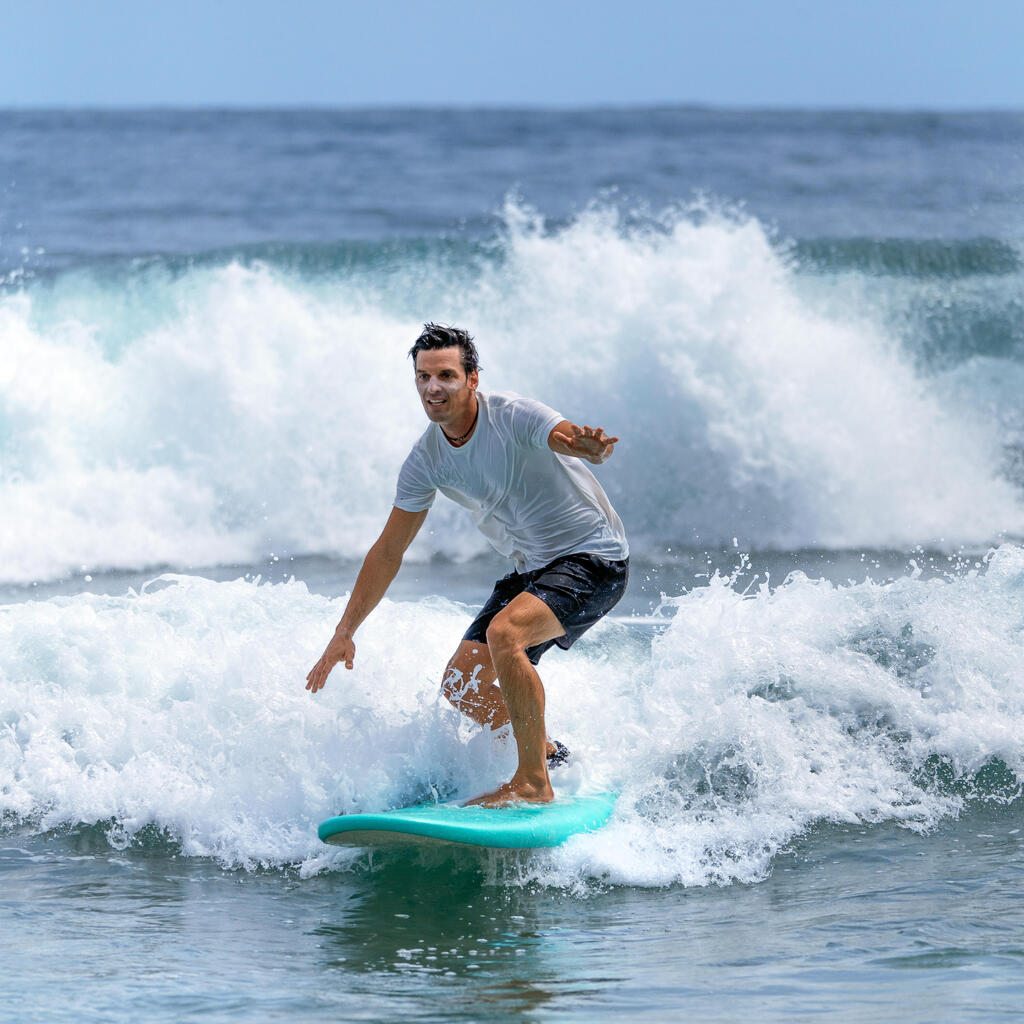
column 524, row 622
column 503, row 637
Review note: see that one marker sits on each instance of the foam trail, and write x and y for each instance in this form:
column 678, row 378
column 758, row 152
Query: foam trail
column 229, row 411
column 749, row 721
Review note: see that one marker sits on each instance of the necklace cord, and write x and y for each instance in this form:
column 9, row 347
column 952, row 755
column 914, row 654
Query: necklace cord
column 456, row 441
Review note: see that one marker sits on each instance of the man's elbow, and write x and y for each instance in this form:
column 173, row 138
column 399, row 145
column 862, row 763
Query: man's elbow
column 387, row 554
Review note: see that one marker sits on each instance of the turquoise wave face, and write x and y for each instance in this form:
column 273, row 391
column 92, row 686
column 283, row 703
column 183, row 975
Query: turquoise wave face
column 943, row 300
column 219, row 410
column 942, row 259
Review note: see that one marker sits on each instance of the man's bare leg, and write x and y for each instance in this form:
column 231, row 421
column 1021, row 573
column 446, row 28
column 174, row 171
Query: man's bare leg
column 470, row 686
column 524, row 622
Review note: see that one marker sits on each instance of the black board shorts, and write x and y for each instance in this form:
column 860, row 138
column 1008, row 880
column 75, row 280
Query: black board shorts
column 579, row 589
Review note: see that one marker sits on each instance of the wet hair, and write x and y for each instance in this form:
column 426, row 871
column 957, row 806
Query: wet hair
column 436, row 336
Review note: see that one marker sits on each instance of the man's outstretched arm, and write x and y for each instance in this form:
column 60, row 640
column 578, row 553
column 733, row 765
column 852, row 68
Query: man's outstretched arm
column 590, row 443
column 380, row 566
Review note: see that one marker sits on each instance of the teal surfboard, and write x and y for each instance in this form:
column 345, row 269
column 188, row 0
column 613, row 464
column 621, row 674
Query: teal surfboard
column 518, row 827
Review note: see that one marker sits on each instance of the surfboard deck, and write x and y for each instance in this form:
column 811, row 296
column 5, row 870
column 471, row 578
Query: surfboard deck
column 517, row 827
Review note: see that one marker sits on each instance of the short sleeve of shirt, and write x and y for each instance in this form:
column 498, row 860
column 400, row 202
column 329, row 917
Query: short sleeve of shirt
column 415, row 491
column 532, row 422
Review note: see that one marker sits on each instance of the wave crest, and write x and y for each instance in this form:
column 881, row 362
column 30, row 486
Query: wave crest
column 222, row 412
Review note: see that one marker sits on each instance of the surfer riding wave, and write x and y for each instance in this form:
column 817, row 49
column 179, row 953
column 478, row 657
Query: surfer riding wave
column 517, row 466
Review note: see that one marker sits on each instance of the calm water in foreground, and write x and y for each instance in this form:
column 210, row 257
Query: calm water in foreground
column 855, row 923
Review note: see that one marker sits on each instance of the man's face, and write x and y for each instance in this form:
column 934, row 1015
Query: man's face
column 445, row 390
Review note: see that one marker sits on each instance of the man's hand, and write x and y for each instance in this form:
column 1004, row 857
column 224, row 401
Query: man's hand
column 590, row 443
column 341, row 648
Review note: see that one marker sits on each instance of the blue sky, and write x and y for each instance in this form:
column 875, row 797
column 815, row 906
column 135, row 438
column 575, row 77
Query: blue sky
column 948, row 54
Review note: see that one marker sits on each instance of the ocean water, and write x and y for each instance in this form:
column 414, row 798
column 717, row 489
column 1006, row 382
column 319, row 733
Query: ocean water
column 808, row 330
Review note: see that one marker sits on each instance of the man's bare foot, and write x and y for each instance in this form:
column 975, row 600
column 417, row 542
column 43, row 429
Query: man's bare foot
column 515, row 792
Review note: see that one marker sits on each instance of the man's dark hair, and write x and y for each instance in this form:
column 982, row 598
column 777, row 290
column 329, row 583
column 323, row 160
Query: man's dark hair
column 438, row 336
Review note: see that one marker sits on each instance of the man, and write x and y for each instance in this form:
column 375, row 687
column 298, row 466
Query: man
column 517, row 466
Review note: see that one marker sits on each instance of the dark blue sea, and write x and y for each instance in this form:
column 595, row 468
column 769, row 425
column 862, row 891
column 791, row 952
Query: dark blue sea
column 807, row 329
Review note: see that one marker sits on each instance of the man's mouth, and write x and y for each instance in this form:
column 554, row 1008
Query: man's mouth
column 435, row 401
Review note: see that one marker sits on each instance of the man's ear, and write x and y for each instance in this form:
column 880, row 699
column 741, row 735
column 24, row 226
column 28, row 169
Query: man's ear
column 473, row 381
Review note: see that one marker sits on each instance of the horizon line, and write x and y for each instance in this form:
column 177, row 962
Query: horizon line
column 503, row 107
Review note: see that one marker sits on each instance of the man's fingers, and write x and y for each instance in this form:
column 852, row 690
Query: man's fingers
column 588, row 440
column 317, row 677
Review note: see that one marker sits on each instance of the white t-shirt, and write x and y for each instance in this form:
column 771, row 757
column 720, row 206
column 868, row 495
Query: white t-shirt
column 532, row 504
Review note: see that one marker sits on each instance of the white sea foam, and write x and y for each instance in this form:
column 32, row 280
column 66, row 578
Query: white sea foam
column 749, row 721
column 231, row 411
